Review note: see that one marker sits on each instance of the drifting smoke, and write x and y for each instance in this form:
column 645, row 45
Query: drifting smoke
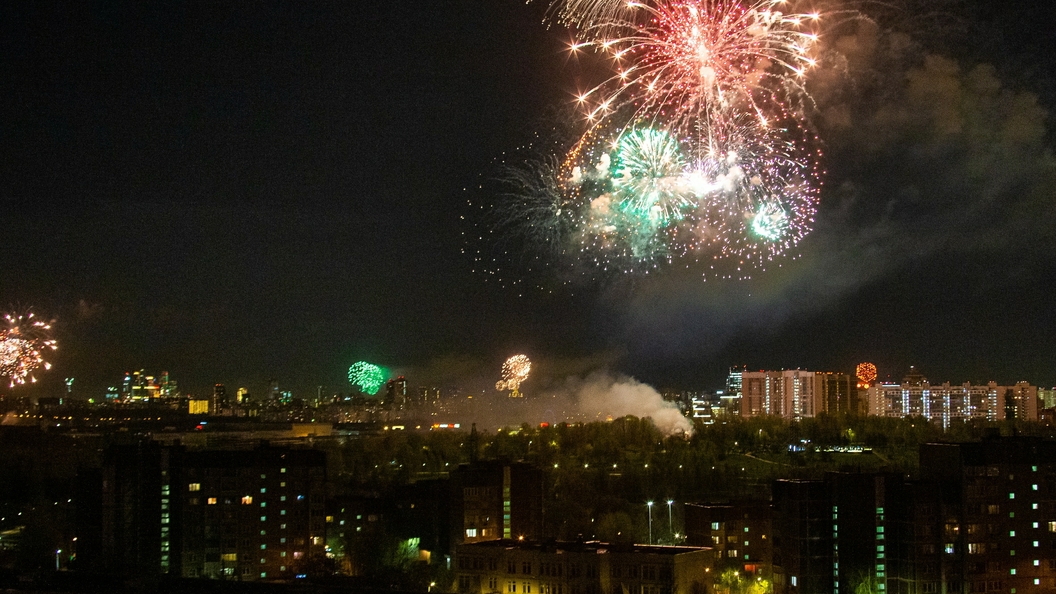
column 930, row 162
column 596, row 396
column 600, row 396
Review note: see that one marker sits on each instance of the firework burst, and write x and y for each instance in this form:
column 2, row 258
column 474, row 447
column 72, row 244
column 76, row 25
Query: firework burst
column 367, row 376
column 514, row 371
column 22, row 346
column 695, row 150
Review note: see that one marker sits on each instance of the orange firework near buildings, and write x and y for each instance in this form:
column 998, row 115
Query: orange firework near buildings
column 866, row 373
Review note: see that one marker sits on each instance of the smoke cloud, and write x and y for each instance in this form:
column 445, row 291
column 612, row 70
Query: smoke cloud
column 929, row 161
column 551, row 396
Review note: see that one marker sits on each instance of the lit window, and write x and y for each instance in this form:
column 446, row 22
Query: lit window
column 194, row 487
column 283, row 498
column 282, row 484
column 248, row 499
column 263, row 504
column 1011, row 533
column 1012, row 571
column 300, row 498
column 263, row 574
column 282, row 526
column 1011, row 495
column 949, row 548
column 317, row 540
column 471, row 532
column 1033, row 506
column 1034, row 487
column 211, row 501
column 282, row 470
column 1037, row 563
column 263, row 518
column 1052, row 526
column 282, row 512
column 746, row 529
column 1036, row 544
column 795, row 581
column 282, row 568
column 714, row 525
column 263, row 546
column 229, row 557
column 263, row 490
column 263, row 476
column 1035, row 524
column 298, row 554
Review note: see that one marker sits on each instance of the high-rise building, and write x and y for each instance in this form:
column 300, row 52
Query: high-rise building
column 246, row 514
column 946, row 403
column 985, row 517
column 839, row 393
column 139, row 387
column 1047, row 397
column 219, row 400
column 792, row 394
column 981, row 518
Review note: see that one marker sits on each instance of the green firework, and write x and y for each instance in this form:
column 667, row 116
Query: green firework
column 647, row 176
column 367, row 376
column 770, row 222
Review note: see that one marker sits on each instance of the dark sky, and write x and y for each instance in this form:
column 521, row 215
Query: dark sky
column 234, row 192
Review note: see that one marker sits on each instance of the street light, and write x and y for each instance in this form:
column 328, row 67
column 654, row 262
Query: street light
column 649, row 505
column 57, row 553
column 670, row 529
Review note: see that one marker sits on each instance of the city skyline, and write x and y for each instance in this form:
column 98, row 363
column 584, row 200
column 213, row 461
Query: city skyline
column 240, row 194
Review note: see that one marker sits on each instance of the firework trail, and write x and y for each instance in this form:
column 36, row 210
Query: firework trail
column 22, row 346
column 695, row 150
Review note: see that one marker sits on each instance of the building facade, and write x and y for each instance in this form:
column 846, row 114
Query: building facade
column 242, row 514
column 792, row 394
column 524, row 567
column 740, row 534
column 947, row 403
column 494, row 500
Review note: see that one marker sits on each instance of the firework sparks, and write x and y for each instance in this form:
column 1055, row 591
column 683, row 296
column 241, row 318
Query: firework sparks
column 695, row 150
column 514, row 371
column 367, row 376
column 866, row 373
column 22, row 347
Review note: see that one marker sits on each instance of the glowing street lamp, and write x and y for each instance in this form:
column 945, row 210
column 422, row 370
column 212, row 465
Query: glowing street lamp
column 670, row 529
column 649, row 505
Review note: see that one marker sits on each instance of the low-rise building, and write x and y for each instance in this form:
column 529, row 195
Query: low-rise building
column 523, row 567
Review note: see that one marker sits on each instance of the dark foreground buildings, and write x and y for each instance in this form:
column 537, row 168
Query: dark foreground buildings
column 242, row 514
column 554, row 567
column 981, row 518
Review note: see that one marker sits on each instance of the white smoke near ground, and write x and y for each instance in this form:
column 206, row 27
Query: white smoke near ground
column 604, row 396
column 598, row 396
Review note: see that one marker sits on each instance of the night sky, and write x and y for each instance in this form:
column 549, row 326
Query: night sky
column 235, row 192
